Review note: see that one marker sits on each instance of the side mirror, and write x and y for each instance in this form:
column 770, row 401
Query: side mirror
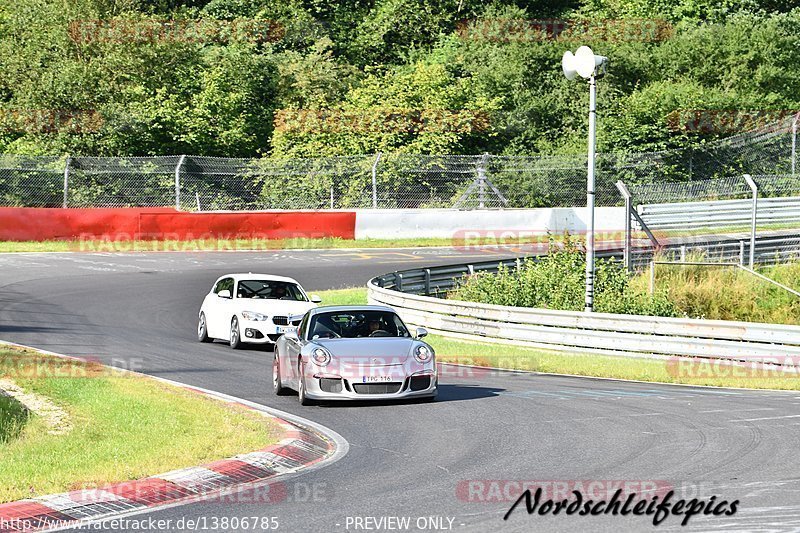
column 315, row 298
column 421, row 332
column 291, row 335
column 224, row 293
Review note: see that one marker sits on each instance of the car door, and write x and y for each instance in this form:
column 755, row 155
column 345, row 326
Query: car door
column 293, row 347
column 218, row 310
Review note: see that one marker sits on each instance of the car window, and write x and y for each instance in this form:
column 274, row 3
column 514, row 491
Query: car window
column 224, row 284
column 354, row 324
column 301, row 331
column 270, row 290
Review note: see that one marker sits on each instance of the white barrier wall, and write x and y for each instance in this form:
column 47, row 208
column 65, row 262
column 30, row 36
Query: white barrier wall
column 454, row 223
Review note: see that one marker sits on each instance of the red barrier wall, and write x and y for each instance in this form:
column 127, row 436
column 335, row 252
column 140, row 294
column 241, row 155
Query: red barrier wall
column 40, row 224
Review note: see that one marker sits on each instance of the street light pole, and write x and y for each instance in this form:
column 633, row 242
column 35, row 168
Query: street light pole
column 591, row 67
column 590, row 196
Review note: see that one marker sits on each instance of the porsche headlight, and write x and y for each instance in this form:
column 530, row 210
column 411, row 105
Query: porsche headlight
column 321, row 356
column 252, row 315
column 422, row 353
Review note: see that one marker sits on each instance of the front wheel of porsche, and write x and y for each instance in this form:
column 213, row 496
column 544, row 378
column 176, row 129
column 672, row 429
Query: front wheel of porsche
column 277, row 382
column 301, row 387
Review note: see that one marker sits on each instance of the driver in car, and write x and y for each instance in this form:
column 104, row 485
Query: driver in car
column 279, row 293
column 372, row 326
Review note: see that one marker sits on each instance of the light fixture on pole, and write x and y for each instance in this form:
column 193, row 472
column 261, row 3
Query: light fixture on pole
column 587, row 65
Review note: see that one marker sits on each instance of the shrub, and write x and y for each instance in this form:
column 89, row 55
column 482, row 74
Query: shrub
column 557, row 281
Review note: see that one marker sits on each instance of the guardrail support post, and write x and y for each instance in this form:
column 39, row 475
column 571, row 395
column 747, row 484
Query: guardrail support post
column 683, row 253
column 178, row 183
column 375, row 181
column 741, row 253
column 66, row 182
column 753, row 187
column 398, row 282
column 652, row 277
column 427, row 282
column 623, row 189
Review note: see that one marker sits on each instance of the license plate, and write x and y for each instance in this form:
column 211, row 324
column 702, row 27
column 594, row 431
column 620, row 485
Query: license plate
column 287, row 329
column 376, row 379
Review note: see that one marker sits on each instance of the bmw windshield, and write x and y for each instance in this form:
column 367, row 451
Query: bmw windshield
column 270, row 290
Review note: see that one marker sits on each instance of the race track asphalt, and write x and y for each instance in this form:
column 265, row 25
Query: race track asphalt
column 415, row 460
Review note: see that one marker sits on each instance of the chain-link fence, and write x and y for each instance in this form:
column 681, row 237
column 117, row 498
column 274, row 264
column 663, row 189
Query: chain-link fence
column 750, row 220
column 400, row 180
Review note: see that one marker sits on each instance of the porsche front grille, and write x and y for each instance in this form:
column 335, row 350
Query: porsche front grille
column 377, row 388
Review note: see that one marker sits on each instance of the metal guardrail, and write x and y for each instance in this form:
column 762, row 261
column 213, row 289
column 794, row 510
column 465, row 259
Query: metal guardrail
column 412, row 293
column 436, row 281
column 719, row 213
column 768, row 250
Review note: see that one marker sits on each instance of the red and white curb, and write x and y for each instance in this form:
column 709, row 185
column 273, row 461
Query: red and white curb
column 252, row 477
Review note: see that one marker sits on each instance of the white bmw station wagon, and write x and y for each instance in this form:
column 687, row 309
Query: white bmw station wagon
column 251, row 308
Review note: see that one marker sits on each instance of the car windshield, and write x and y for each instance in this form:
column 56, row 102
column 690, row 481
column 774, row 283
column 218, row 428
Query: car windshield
column 270, row 290
column 354, row 324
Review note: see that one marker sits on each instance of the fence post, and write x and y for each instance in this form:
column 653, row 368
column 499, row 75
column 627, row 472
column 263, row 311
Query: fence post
column 623, row 189
column 482, row 181
column 66, row 181
column 178, row 183
column 375, row 181
column 753, row 187
column 652, row 277
column 794, row 143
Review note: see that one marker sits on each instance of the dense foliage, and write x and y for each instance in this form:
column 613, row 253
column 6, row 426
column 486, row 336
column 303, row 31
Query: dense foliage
column 357, row 76
column 557, row 281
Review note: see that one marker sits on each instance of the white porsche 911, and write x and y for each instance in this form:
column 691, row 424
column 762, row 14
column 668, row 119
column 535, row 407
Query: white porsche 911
column 251, row 308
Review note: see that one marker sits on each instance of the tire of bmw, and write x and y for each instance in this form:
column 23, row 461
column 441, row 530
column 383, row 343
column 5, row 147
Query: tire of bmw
column 202, row 329
column 236, row 338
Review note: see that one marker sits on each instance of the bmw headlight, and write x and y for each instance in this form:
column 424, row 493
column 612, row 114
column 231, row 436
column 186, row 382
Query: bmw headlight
column 321, row 356
column 252, row 315
column 422, row 353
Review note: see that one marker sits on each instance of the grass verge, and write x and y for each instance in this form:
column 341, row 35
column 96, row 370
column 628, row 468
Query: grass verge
column 510, row 357
column 124, row 427
column 13, row 418
column 209, row 245
column 727, row 293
